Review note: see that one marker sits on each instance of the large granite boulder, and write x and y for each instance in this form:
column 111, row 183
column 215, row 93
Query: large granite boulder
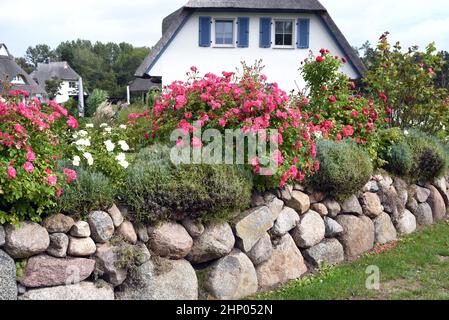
column 285, row 264
column 28, row 239
column 261, row 251
column 8, row 284
column 372, row 207
column 287, row 221
column 352, row 206
column 216, row 242
column 47, row 271
column 358, row 234
column 327, row 252
column 230, row 278
column 423, row 214
column 406, row 224
column 170, row 240
column 310, row 230
column 299, row 201
column 59, row 242
column 106, row 258
column 58, row 223
column 80, row 291
column 252, row 225
column 384, row 229
column 101, row 226
column 160, row 279
column 436, row 203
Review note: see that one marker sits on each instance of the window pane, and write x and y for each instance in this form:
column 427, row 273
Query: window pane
column 224, row 32
column 279, row 41
column 288, row 27
column 288, row 40
column 219, row 27
column 279, row 27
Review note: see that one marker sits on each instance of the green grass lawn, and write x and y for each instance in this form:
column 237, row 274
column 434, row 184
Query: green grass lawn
column 417, row 268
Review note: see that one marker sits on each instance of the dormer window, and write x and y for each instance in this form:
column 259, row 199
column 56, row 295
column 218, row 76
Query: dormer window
column 18, row 79
column 284, row 33
column 224, row 32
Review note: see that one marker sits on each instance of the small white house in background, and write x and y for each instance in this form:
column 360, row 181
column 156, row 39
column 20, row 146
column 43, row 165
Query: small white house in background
column 216, row 35
column 13, row 77
column 72, row 83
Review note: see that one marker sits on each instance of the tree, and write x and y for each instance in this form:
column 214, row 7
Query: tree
column 442, row 76
column 367, row 54
column 52, row 87
column 39, row 54
column 27, row 67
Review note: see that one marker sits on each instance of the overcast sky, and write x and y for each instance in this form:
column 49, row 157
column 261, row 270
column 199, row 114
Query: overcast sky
column 30, row 22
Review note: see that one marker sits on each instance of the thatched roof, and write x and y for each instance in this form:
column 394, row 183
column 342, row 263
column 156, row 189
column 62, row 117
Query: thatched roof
column 172, row 23
column 10, row 69
column 60, row 70
column 144, row 85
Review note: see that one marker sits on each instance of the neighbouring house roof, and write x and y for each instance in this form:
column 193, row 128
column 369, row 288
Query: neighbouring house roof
column 144, row 85
column 174, row 22
column 47, row 71
column 10, row 69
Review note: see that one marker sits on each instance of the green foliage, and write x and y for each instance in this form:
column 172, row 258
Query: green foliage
column 39, row 54
column 407, row 78
column 52, row 87
column 344, row 168
column 96, row 98
column 429, row 157
column 156, row 189
column 92, row 191
column 72, row 107
column 399, row 159
column 122, row 117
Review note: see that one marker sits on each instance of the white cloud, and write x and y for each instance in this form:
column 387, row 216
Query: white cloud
column 29, row 22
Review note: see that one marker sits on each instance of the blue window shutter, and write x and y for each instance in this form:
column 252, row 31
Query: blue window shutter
column 265, row 32
column 303, row 33
column 205, row 31
column 243, row 32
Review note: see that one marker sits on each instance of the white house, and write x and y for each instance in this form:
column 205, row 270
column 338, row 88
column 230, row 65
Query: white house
column 216, row 35
column 61, row 70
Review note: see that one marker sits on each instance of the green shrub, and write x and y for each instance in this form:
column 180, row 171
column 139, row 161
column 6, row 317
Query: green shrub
column 137, row 108
column 92, row 191
column 430, row 159
column 155, row 189
column 344, row 168
column 399, row 159
column 96, row 98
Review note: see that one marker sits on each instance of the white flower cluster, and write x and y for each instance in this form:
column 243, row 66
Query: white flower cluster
column 121, row 158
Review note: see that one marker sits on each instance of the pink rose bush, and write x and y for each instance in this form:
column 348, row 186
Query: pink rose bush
column 29, row 151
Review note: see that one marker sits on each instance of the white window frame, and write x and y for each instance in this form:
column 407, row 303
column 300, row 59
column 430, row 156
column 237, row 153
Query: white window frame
column 234, row 33
column 273, row 33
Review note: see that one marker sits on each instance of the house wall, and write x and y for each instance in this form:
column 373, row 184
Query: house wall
column 281, row 64
column 65, row 93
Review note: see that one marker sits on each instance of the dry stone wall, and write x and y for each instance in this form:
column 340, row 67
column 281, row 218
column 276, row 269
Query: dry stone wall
column 286, row 234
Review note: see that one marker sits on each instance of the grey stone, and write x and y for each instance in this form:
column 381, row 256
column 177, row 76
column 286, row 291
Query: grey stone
column 257, row 200
column 275, row 205
column 310, row 230
column 101, row 226
column 352, row 206
column 421, row 194
column 106, row 258
column 316, row 196
column 384, row 230
column 2, row 236
column 262, row 251
column 436, row 203
column 401, row 189
column 8, row 284
column 195, row 229
column 321, row 209
column 232, row 277
column 327, row 252
column 46, row 271
column 423, row 214
column 358, row 234
column 440, row 184
column 287, row 221
column 81, row 291
column 333, row 229
column 252, row 225
column 160, row 280
column 59, row 243
column 299, row 201
column 286, row 193
column 372, row 207
column 216, row 242
column 333, row 207
column 385, row 182
column 412, row 204
column 80, row 229
column 406, row 224
column 143, row 255
column 126, row 231
column 371, row 186
column 170, row 240
column 392, row 202
column 116, row 216
column 81, row 247
column 29, row 239
column 285, row 264
column 58, row 223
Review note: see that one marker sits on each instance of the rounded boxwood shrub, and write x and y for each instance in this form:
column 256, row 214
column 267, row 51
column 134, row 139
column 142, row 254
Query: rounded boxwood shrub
column 399, row 159
column 155, row 189
column 430, row 159
column 92, row 191
column 344, row 168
